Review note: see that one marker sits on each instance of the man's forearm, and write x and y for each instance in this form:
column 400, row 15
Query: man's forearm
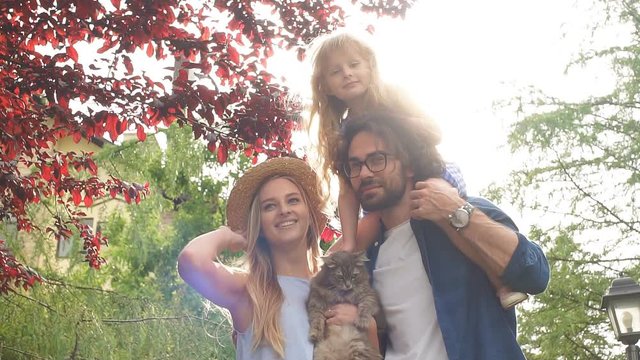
column 487, row 243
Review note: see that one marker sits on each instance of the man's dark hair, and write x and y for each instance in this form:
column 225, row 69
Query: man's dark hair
column 413, row 143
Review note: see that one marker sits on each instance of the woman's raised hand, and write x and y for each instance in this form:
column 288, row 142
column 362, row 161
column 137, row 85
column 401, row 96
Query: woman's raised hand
column 235, row 241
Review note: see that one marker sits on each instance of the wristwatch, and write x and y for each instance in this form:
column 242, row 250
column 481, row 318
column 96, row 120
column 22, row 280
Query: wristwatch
column 460, row 218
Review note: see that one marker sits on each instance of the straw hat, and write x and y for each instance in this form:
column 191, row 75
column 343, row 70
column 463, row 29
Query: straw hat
column 245, row 189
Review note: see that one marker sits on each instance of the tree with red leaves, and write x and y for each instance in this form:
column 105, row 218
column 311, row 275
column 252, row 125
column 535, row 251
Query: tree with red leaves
column 48, row 92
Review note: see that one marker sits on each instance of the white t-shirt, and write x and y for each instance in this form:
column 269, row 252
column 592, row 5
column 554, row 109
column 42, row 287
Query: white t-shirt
column 407, row 299
column 293, row 321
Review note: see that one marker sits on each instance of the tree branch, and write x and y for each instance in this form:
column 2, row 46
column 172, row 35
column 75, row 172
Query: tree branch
column 140, row 320
column 30, row 355
column 47, row 306
column 593, row 355
column 581, row 261
column 74, row 353
column 589, row 196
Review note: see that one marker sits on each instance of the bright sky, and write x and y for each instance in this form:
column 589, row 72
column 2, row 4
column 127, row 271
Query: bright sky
column 467, row 56
column 460, row 57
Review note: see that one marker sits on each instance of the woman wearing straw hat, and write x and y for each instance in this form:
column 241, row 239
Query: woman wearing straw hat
column 278, row 206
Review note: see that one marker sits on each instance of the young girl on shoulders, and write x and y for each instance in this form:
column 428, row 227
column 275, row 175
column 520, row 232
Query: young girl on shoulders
column 346, row 83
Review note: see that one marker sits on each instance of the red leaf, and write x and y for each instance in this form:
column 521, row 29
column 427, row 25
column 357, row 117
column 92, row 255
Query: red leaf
column 233, row 54
column 222, row 154
column 168, row 120
column 220, row 37
column 116, row 3
column 150, row 50
column 122, row 126
column 222, row 72
column 77, row 137
column 108, row 44
column 207, row 95
column 64, row 169
column 72, row 53
column 77, row 197
column 63, row 102
column 112, row 126
column 211, row 146
column 11, row 152
column 328, row 234
column 93, row 169
column 248, row 152
column 301, row 54
column 128, row 65
column 45, row 172
column 142, row 136
column 205, row 34
column 88, row 201
column 160, row 53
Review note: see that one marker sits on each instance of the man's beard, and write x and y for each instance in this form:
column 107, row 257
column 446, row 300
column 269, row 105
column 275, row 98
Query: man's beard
column 391, row 195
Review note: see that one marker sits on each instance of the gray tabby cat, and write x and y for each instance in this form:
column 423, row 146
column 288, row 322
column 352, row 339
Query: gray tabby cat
column 342, row 279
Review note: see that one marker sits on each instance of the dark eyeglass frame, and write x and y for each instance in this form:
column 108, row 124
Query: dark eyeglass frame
column 370, row 162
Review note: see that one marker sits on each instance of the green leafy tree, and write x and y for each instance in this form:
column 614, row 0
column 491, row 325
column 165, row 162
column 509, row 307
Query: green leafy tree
column 135, row 306
column 580, row 181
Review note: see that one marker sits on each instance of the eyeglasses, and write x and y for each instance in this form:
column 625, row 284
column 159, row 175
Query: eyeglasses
column 375, row 162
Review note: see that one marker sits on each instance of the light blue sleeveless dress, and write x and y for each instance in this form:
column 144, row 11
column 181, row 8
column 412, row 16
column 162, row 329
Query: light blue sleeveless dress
column 294, row 322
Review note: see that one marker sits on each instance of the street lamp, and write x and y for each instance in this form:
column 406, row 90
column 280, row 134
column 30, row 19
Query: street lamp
column 622, row 302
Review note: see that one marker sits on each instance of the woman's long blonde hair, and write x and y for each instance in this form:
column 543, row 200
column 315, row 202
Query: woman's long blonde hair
column 263, row 288
column 329, row 111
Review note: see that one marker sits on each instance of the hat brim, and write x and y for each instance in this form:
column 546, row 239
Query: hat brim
column 245, row 189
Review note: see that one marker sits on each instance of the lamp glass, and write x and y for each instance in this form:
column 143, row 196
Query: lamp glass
column 627, row 313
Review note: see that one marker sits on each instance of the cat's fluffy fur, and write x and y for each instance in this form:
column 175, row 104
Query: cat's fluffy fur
column 342, row 279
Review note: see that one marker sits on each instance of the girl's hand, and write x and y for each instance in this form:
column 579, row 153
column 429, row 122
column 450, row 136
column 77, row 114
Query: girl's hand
column 341, row 245
column 341, row 314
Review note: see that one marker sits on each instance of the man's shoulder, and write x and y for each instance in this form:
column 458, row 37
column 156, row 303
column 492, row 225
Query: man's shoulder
column 483, row 204
column 491, row 210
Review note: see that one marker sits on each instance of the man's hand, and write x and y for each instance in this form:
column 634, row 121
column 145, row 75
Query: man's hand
column 434, row 199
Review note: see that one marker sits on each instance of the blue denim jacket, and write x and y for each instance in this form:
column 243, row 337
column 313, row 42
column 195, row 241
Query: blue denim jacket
column 474, row 325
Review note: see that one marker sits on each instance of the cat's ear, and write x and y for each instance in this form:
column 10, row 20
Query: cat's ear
column 327, row 260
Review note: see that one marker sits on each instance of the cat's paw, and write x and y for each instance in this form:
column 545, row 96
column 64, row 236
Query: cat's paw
column 314, row 336
column 316, row 332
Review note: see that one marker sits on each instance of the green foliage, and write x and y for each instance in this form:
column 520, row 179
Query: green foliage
column 135, row 306
column 580, row 331
column 580, row 181
column 62, row 321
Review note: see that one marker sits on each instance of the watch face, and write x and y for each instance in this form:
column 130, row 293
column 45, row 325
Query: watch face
column 460, row 218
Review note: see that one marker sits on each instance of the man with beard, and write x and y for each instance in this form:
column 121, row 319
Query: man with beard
column 438, row 303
